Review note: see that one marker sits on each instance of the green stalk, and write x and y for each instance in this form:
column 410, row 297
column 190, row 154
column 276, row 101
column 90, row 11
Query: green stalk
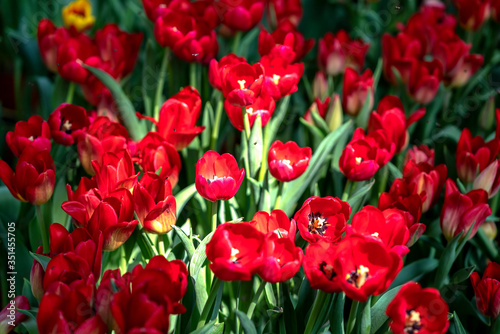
column 236, row 43
column 351, row 322
column 265, row 151
column 218, row 116
column 193, row 75
column 161, row 83
column 278, row 197
column 246, row 122
column 43, row 229
column 161, row 245
column 214, row 215
column 255, row 299
column 210, row 301
column 319, row 303
column 347, row 190
column 71, row 92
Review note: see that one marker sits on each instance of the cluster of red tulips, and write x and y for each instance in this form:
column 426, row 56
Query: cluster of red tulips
column 295, row 226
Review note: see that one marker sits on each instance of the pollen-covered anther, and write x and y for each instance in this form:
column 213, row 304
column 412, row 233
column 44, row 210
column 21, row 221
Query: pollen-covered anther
column 358, row 276
column 276, row 79
column 412, row 322
column 233, row 257
column 242, row 84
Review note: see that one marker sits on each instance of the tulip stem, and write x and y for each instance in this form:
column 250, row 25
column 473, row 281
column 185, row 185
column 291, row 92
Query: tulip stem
column 193, row 75
column 161, row 245
column 351, row 322
column 265, row 151
column 246, row 122
column 214, row 215
column 347, row 190
column 236, row 43
column 319, row 303
column 161, row 83
column 278, row 196
column 218, row 116
column 255, row 299
column 211, row 299
column 43, row 229
column 71, row 92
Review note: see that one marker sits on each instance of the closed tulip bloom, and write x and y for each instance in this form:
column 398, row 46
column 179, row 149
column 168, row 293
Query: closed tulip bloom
column 172, row 26
column 276, row 222
column 241, row 83
column 419, row 154
column 472, row 13
column 487, row 290
column 417, row 310
column 389, row 225
column 154, row 204
column 489, row 179
column 49, row 38
column 199, row 45
column 355, row 91
column 218, row 176
column 285, row 11
column 34, row 178
column 364, row 155
column 322, row 219
column 281, row 259
column 474, row 155
column 20, row 303
column 241, row 15
column 460, row 211
column 424, row 80
column 288, row 161
column 67, row 122
column 235, row 251
column 286, row 34
column 34, row 132
column 263, row 106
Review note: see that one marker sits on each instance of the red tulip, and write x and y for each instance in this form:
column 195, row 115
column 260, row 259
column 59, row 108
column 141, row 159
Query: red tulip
column 105, row 297
column 495, row 10
column 285, row 11
column 152, row 7
column 322, row 218
column 215, row 69
column 49, row 38
column 319, row 262
column 390, row 117
column 156, row 153
column 68, row 268
column 34, row 178
column 241, row 15
column 460, row 211
column 154, row 204
column 336, row 52
column 424, row 80
column 67, row 122
column 320, row 86
column 428, row 181
column 116, row 171
column 417, row 310
column 71, row 54
column 473, row 155
column 497, row 118
column 390, row 226
column 419, row 154
column 365, row 154
column 281, row 76
column 487, row 290
column 34, row 132
column 10, row 317
column 287, row 35
column 402, row 196
column 119, row 48
column 264, row 106
column 489, row 179
column 217, row 176
column 235, row 251
column 400, row 52
column 472, row 14
column 276, row 222
column 280, row 259
column 242, row 83
column 355, row 91
column 199, row 45
column 172, row 26
column 288, row 161
column 469, row 67
column 103, row 135
column 66, row 309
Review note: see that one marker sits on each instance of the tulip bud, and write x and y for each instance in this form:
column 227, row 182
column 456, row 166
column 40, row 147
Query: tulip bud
column 334, row 116
column 36, row 280
column 320, row 86
column 489, row 179
column 490, row 229
column 487, row 114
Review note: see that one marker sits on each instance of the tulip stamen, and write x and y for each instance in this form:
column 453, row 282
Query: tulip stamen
column 233, row 257
column 358, row 276
column 327, row 269
column 358, row 160
column 66, row 126
column 242, row 84
column 276, row 79
column 412, row 322
column 317, row 224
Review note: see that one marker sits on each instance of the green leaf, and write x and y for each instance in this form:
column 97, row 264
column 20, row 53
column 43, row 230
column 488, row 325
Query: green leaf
column 276, row 120
column 183, row 196
column 365, row 312
column 378, row 316
column 186, row 241
column 59, row 196
column 136, row 129
column 246, row 324
column 42, row 259
column 197, row 272
column 320, row 122
column 208, row 120
column 337, row 315
column 394, row 171
column 293, row 190
column 149, row 78
column 205, row 329
column 459, row 328
column 30, row 324
column 315, row 131
column 255, row 146
column 360, row 194
column 414, row 270
column 378, row 72
column 462, row 275
column 364, row 114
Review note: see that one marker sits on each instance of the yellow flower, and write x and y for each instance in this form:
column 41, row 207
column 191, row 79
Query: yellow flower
column 78, row 14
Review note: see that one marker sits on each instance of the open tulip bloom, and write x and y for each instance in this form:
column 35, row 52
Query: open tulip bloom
column 246, row 166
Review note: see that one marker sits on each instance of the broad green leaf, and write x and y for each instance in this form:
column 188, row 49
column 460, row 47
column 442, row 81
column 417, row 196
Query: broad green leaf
column 255, row 146
column 136, row 129
column 246, row 324
column 30, row 324
column 186, row 241
column 394, row 171
column 457, row 325
column 149, row 78
column 320, row 122
column 337, row 314
column 315, row 131
column 365, row 313
column 42, row 259
column 205, row 329
column 197, row 272
column 183, row 196
column 364, row 114
column 276, row 120
column 208, row 122
column 415, row 270
column 378, row 316
column 462, row 275
column 360, row 194
column 293, row 190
